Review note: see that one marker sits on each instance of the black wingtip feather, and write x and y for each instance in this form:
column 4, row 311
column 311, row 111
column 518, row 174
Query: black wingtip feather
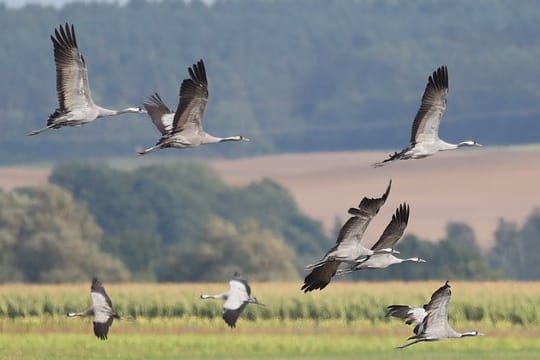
column 439, row 78
column 402, row 214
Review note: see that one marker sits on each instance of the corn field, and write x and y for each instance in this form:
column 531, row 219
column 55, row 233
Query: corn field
column 496, row 303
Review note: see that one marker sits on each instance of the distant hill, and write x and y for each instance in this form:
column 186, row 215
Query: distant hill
column 293, row 76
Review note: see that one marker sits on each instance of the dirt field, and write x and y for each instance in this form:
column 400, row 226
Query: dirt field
column 477, row 186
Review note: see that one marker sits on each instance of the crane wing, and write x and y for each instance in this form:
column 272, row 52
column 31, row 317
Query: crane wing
column 435, row 323
column 101, row 329
column 99, row 295
column 238, row 294
column 351, row 233
column 426, row 123
column 161, row 115
column 102, row 308
column 320, row 276
column 237, row 300
column 411, row 315
column 72, row 86
column 394, row 230
column 193, row 99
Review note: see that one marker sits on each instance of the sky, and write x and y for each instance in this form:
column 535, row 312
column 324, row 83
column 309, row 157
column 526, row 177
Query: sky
column 59, row 3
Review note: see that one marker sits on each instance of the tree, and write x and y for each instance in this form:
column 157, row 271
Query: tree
column 515, row 250
column 256, row 253
column 51, row 238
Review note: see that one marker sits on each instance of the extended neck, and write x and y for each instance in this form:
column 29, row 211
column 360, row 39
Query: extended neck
column 470, row 333
column 468, row 143
column 413, row 259
column 109, row 112
column 210, row 139
column 87, row 312
column 218, row 296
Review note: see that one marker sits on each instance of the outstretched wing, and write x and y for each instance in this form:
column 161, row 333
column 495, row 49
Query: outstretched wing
column 102, row 306
column 353, row 230
column 426, row 123
column 237, row 300
column 320, row 276
column 410, row 314
column 99, row 295
column 72, row 86
column 101, row 329
column 435, row 324
column 394, row 230
column 158, row 111
column 193, row 99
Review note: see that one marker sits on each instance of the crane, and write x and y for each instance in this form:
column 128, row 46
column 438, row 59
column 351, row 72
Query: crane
column 391, row 235
column 425, row 139
column 236, row 299
column 431, row 321
column 101, row 309
column 186, row 130
column 75, row 104
column 348, row 247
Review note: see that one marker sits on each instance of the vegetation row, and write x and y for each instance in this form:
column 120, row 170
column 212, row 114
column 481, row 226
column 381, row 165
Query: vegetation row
column 493, row 302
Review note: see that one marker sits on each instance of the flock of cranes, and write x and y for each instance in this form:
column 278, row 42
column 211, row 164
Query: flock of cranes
column 183, row 129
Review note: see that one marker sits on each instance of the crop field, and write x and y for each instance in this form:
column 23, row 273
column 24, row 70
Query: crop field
column 344, row 321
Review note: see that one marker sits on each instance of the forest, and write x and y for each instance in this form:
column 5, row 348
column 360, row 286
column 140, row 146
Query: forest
column 181, row 222
column 330, row 75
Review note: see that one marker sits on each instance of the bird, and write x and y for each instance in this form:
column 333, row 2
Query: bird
column 75, row 104
column 431, row 320
column 425, row 139
column 101, row 309
column 348, row 246
column 236, row 299
column 391, row 235
column 186, row 130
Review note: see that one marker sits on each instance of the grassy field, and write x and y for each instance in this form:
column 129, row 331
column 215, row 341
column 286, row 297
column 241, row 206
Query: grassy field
column 345, row 321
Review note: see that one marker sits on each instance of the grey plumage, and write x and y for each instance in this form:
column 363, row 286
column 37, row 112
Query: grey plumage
column 431, row 321
column 236, row 299
column 348, row 245
column 391, row 235
column 75, row 104
column 425, row 139
column 101, row 310
column 186, row 129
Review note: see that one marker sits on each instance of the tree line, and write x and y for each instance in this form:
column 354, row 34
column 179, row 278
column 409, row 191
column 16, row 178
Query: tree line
column 330, row 75
column 181, row 222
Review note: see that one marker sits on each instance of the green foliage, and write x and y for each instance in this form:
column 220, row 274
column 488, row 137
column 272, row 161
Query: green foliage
column 493, row 303
column 225, row 248
column 329, row 75
column 47, row 237
column 457, row 256
column 175, row 222
column 515, row 251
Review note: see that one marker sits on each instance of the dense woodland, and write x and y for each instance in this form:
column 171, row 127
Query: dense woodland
column 291, row 75
column 183, row 223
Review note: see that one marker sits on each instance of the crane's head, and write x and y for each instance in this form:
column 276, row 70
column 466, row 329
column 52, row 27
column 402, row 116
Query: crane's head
column 469, row 143
column 472, row 333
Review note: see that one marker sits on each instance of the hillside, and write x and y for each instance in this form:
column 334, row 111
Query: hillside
column 477, row 187
column 330, row 76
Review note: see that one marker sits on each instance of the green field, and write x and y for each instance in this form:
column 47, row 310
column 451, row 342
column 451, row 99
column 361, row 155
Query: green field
column 345, row 321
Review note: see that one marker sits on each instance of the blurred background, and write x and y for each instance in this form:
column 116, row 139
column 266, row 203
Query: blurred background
column 323, row 89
